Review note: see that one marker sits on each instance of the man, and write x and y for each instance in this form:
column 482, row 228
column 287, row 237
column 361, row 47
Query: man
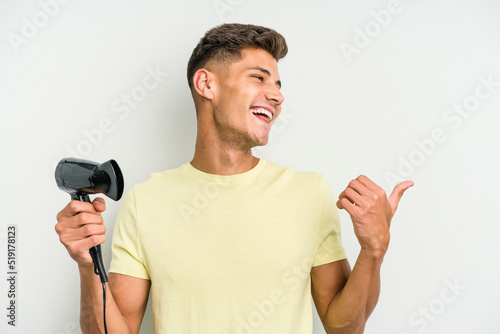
column 230, row 243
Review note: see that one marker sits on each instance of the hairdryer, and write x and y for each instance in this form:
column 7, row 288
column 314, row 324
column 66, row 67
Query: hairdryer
column 80, row 178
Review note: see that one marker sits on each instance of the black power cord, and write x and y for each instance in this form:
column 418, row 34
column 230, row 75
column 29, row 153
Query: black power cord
column 104, row 306
column 95, row 253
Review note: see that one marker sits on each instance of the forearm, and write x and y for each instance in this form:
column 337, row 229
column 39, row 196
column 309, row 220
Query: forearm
column 91, row 306
column 351, row 307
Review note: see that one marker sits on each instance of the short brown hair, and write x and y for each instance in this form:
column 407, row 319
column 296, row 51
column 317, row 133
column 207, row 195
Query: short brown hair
column 224, row 43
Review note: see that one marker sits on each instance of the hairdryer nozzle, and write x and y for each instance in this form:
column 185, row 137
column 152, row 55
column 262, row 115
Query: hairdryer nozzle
column 111, row 169
column 78, row 176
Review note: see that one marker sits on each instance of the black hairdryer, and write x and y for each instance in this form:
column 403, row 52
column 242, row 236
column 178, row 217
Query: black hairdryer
column 79, row 178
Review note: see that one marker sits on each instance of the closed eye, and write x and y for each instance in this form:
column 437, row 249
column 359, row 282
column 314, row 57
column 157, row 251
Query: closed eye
column 264, row 71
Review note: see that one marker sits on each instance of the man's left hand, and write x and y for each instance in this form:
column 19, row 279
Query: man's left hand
column 371, row 211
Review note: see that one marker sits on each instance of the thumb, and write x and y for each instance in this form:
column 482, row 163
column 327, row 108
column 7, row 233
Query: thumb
column 99, row 204
column 396, row 194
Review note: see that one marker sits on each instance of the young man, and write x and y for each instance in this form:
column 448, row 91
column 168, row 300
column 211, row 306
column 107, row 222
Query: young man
column 229, row 243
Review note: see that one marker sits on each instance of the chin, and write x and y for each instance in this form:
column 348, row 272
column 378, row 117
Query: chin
column 261, row 141
column 260, row 145
column 257, row 139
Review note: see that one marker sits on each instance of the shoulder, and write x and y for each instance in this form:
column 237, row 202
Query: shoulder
column 291, row 174
column 159, row 181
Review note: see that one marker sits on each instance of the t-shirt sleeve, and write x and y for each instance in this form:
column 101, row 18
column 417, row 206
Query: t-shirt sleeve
column 330, row 246
column 126, row 247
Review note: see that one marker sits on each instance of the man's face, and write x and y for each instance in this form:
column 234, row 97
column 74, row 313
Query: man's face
column 248, row 100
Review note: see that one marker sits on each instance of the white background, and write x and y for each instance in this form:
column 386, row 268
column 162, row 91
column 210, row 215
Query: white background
column 372, row 112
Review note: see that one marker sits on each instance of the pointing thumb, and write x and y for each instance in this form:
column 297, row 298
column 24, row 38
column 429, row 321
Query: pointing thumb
column 396, row 194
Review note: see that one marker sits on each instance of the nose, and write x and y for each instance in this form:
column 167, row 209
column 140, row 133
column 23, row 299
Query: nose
column 274, row 94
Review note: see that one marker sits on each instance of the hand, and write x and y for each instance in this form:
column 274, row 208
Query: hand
column 80, row 226
column 371, row 211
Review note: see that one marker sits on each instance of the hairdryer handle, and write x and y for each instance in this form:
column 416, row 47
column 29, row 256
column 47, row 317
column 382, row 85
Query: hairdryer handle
column 95, row 252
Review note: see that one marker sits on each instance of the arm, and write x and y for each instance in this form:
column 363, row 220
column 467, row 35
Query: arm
column 80, row 226
column 345, row 299
column 126, row 301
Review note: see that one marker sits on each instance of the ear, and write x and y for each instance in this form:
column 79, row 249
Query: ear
column 204, row 83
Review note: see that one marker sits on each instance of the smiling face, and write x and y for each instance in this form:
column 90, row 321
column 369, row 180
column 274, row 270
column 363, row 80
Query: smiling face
column 247, row 100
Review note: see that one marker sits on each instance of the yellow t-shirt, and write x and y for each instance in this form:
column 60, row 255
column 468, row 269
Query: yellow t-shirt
column 228, row 254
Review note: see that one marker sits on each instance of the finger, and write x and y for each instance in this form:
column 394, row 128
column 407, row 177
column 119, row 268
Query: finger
column 74, row 207
column 339, row 205
column 343, row 195
column 373, row 188
column 85, row 218
column 353, row 185
column 82, row 246
column 369, row 184
column 68, row 226
column 350, row 207
column 92, row 229
column 358, row 186
column 82, row 232
column 354, row 197
column 99, row 204
column 397, row 192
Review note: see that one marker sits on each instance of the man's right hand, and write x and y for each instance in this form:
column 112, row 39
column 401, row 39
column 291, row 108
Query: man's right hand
column 80, row 226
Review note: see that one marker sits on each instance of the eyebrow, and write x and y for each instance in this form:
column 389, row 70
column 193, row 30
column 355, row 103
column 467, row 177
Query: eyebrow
column 265, row 71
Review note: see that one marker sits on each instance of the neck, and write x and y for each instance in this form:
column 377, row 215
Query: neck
column 212, row 157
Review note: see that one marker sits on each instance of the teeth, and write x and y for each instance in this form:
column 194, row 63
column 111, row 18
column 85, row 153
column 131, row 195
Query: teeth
column 262, row 111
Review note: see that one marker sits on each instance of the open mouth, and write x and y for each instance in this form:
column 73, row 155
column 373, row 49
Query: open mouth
column 262, row 113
